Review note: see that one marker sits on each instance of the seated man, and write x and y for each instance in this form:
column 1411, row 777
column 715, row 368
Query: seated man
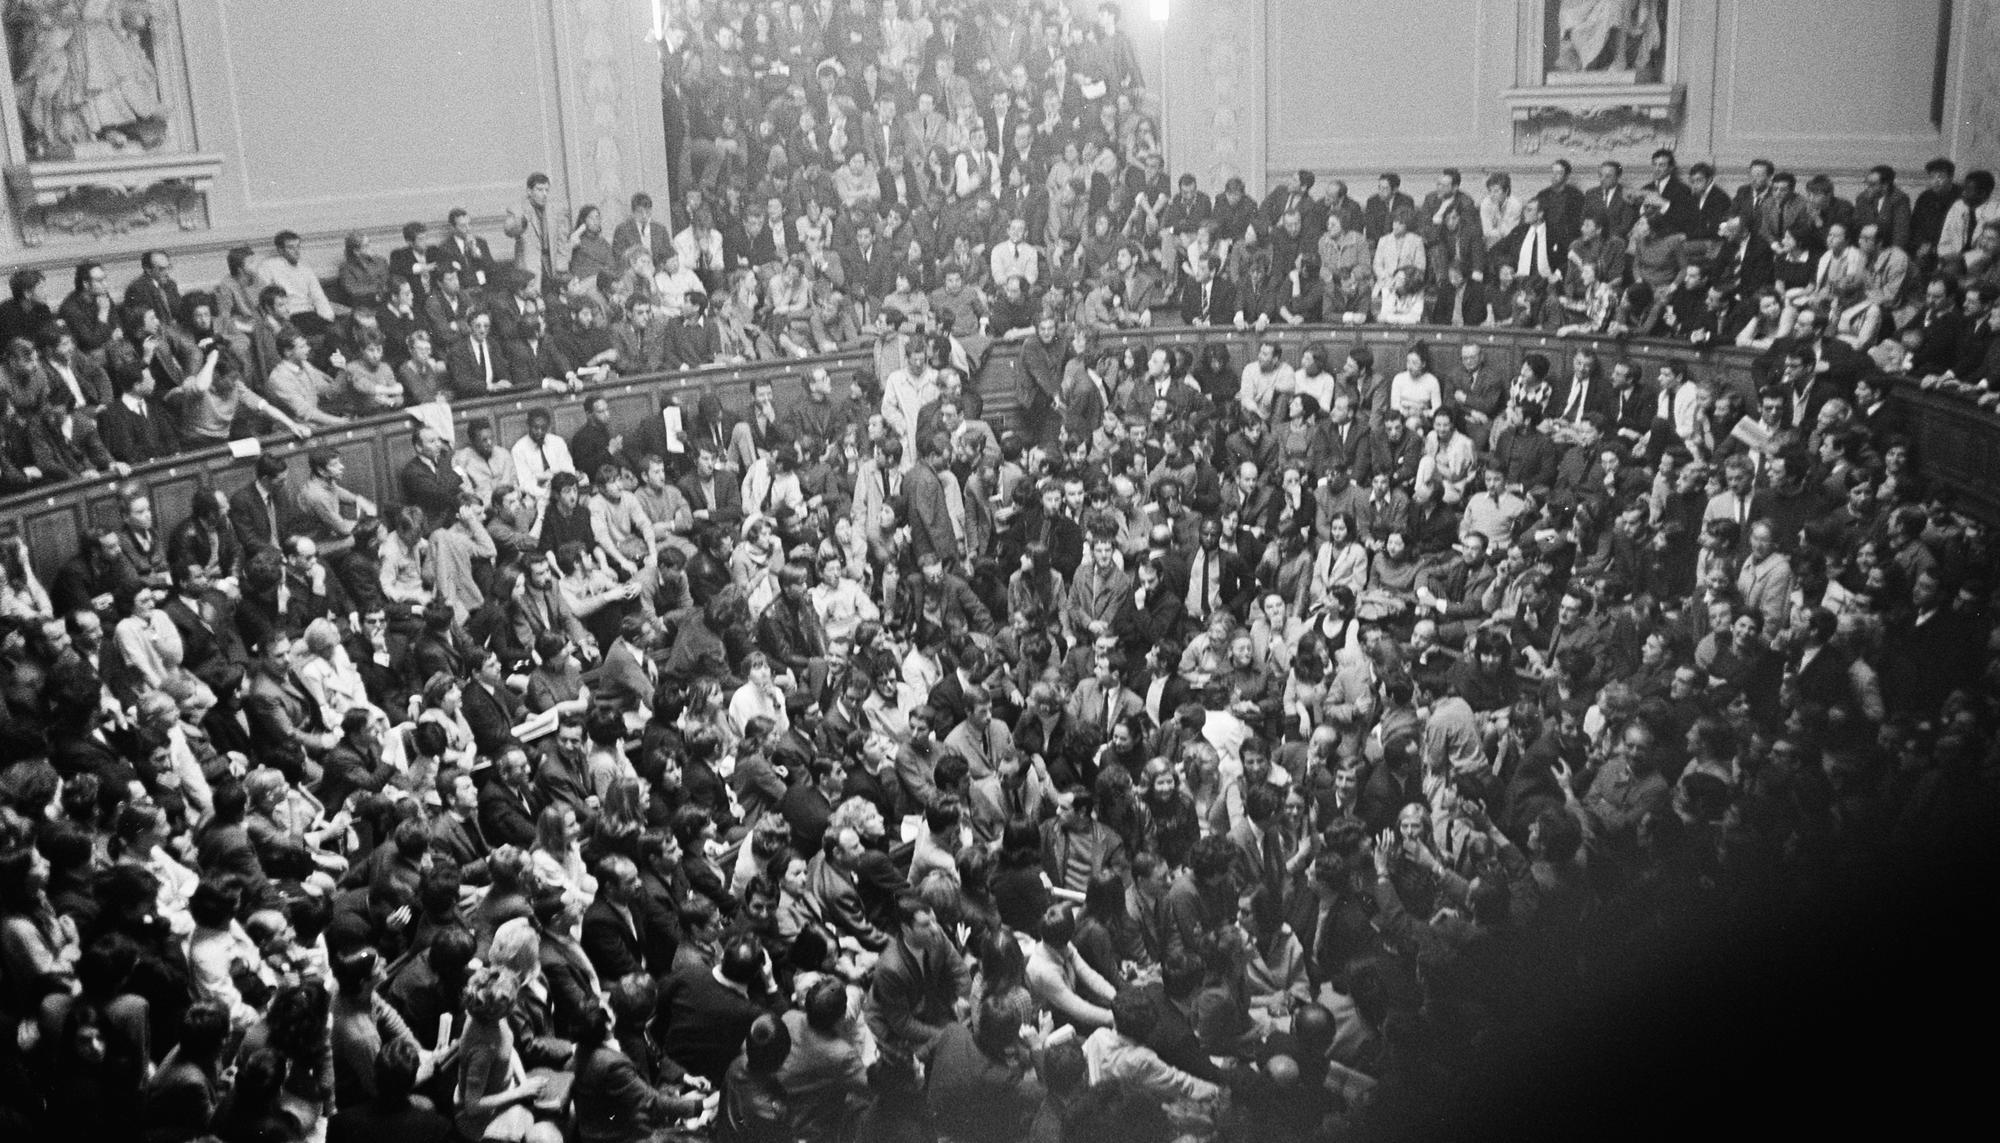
column 305, row 303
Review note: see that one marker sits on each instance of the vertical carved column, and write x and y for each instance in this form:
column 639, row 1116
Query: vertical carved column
column 1977, row 139
column 1213, row 118
column 608, row 76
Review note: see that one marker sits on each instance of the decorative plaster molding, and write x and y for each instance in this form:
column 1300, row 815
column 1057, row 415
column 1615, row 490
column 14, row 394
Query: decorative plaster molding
column 1594, row 134
column 1979, row 88
column 1595, row 117
column 99, row 198
column 604, row 104
column 1229, row 114
column 1657, row 101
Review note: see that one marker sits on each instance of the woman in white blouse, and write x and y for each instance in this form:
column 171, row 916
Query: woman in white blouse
column 557, row 856
column 1449, row 456
column 148, row 641
column 1499, row 211
column 443, row 704
column 1342, row 562
column 329, row 675
column 1400, row 249
column 1399, row 300
column 1415, row 393
column 759, row 695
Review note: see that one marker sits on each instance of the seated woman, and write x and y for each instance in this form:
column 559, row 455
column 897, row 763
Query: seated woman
column 1399, row 300
column 1392, row 580
column 557, row 855
column 329, row 675
column 840, row 600
column 367, row 386
column 443, row 699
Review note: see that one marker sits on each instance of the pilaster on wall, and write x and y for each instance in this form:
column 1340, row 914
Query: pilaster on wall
column 1348, row 88
column 1210, row 64
column 454, row 103
column 1976, row 140
column 608, row 87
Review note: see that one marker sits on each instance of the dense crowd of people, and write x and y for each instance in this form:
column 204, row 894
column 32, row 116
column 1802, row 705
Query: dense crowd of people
column 1248, row 750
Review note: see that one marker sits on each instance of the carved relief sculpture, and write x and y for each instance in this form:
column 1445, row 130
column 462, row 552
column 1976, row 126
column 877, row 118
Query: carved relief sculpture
column 1595, row 76
column 100, row 129
column 84, row 77
column 1610, row 37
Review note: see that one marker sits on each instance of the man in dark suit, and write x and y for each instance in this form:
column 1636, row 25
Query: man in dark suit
column 591, row 446
column 1832, row 364
column 1631, row 405
column 1210, row 579
column 871, row 271
column 1173, row 1038
column 448, row 310
column 628, row 677
column 1744, row 265
column 1609, row 201
column 62, row 444
column 1383, row 206
column 415, row 263
column 135, row 428
column 92, row 579
column 207, row 642
column 1940, row 322
column 508, row 804
column 155, row 289
column 1260, row 843
column 455, row 829
column 465, row 252
column 565, row 969
column 490, row 706
column 1562, row 207
column 534, row 358
column 355, row 762
column 261, row 511
column 713, row 492
column 429, row 481
column 1872, row 408
column 640, row 230
column 1298, row 197
column 1673, row 198
column 475, row 363
column 1533, row 248
column 705, row 1015
column 75, row 380
column 285, row 722
column 1206, row 297
column 615, row 935
column 924, row 508
column 24, row 313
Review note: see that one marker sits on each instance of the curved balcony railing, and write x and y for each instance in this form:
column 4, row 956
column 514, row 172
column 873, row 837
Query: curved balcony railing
column 1956, row 442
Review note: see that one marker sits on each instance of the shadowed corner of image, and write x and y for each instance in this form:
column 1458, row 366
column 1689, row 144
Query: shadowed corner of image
column 1864, row 1007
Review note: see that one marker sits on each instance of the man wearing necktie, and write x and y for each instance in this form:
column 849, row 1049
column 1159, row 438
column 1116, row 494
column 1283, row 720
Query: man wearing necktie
column 470, row 363
column 1015, row 257
column 1582, row 381
column 1206, row 592
column 1533, row 258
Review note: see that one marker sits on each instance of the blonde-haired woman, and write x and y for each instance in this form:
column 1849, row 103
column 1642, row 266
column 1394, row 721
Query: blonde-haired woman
column 495, row 1092
column 557, row 856
column 329, row 675
column 148, row 642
